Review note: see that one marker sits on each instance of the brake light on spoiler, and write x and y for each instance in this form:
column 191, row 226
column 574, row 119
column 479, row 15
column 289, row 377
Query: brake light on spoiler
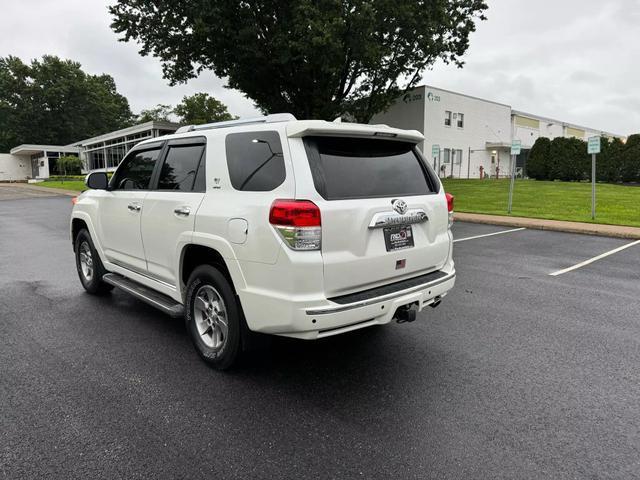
column 298, row 222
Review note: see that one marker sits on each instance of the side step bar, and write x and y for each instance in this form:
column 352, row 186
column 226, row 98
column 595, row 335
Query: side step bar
column 162, row 302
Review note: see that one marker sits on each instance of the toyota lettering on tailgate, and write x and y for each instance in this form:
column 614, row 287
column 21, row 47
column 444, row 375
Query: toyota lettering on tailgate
column 385, row 219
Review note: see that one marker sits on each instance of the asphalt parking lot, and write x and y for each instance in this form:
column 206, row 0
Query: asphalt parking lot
column 518, row 374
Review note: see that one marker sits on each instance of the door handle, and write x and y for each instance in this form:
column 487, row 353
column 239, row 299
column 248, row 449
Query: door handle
column 134, row 207
column 182, row 211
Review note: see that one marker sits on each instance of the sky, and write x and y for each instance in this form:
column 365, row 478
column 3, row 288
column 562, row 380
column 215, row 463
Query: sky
column 573, row 60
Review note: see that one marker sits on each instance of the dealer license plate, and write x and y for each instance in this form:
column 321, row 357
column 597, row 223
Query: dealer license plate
column 398, row 237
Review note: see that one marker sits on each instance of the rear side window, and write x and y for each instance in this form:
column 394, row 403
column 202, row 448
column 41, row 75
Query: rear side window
column 180, row 167
column 255, row 161
column 135, row 171
column 347, row 168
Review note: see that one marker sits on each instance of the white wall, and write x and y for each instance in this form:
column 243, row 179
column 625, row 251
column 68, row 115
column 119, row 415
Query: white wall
column 484, row 122
column 43, row 167
column 407, row 113
column 14, row 167
column 488, row 126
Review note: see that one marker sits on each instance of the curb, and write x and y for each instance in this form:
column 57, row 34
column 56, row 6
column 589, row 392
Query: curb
column 617, row 231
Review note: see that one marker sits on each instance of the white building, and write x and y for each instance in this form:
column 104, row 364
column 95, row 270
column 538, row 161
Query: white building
column 32, row 161
column 26, row 162
column 474, row 135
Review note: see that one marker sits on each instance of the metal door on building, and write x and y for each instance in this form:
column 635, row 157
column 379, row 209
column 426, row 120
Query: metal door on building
column 35, row 167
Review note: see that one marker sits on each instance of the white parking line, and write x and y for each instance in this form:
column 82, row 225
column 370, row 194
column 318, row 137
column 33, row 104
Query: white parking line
column 594, row 259
column 488, row 234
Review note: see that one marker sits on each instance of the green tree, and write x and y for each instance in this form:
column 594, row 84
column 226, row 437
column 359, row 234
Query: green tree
column 630, row 159
column 568, row 160
column 606, row 168
column 68, row 165
column 159, row 113
column 613, row 161
column 539, row 160
column 202, row 108
column 315, row 59
column 52, row 101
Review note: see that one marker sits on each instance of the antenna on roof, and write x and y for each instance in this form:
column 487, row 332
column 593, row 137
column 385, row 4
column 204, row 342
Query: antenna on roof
column 275, row 118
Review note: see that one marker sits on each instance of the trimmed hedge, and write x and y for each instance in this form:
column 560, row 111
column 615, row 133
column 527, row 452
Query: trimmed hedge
column 66, row 178
column 567, row 159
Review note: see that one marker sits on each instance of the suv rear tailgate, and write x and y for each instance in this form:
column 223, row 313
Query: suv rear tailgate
column 384, row 216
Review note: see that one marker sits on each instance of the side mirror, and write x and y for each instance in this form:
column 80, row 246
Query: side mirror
column 97, row 180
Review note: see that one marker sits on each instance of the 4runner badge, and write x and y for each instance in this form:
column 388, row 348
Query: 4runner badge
column 399, row 206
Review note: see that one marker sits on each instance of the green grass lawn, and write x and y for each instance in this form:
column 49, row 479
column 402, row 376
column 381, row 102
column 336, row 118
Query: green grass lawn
column 615, row 204
column 77, row 185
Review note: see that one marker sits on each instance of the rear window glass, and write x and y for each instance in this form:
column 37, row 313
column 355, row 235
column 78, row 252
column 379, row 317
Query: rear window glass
column 255, row 161
column 345, row 168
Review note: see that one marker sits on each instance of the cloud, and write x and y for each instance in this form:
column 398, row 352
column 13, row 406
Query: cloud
column 564, row 60
column 79, row 30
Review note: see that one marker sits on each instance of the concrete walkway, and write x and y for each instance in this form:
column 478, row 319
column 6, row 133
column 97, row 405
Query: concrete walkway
column 556, row 225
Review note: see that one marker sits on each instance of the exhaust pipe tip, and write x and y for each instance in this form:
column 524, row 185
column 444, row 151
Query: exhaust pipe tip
column 436, row 301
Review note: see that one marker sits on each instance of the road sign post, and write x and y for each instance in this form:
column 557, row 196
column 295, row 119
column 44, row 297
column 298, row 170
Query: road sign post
column 593, row 147
column 516, row 147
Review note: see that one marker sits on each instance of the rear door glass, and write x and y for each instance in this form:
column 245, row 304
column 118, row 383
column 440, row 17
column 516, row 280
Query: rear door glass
column 179, row 169
column 350, row 168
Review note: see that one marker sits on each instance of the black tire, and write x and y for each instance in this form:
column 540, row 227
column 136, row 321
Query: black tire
column 92, row 283
column 208, row 282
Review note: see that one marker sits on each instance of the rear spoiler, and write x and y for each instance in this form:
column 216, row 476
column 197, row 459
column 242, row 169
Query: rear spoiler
column 318, row 127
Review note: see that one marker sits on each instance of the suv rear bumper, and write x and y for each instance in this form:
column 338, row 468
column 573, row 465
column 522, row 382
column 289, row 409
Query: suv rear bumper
column 311, row 320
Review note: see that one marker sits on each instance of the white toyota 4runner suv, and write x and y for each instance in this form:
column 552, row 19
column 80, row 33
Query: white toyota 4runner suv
column 298, row 228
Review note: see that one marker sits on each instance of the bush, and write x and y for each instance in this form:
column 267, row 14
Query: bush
column 630, row 160
column 538, row 161
column 67, row 177
column 567, row 159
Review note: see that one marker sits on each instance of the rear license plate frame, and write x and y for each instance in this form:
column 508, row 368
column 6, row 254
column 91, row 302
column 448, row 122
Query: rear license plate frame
column 398, row 237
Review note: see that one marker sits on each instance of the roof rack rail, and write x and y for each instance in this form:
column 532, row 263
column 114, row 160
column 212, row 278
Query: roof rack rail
column 274, row 118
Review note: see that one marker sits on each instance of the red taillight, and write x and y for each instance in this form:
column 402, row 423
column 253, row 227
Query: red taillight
column 298, row 223
column 450, row 208
column 294, row 213
column 449, row 201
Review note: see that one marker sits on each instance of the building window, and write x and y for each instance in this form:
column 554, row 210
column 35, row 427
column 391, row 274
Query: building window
column 458, row 156
column 460, row 120
column 446, row 157
column 447, row 118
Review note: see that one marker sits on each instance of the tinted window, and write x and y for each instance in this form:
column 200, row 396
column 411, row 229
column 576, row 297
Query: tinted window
column 345, row 168
column 199, row 185
column 135, row 171
column 255, row 161
column 179, row 169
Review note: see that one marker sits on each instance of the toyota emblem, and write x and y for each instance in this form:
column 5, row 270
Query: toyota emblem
column 399, row 206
